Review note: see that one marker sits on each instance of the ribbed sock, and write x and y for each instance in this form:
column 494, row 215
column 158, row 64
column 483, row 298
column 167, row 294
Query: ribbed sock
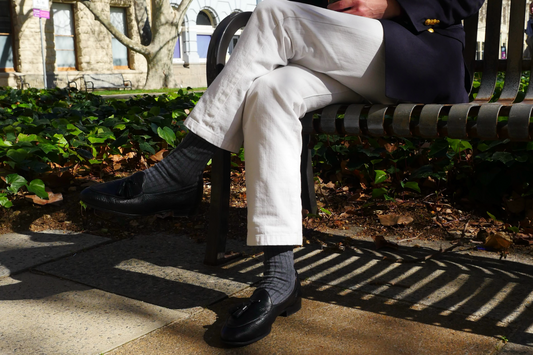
column 181, row 167
column 279, row 275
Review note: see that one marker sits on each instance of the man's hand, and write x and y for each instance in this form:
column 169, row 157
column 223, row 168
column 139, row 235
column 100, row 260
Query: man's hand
column 376, row 9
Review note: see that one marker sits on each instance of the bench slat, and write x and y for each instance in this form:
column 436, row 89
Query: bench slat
column 428, row 123
column 376, row 120
column 457, row 124
column 469, row 54
column 492, row 50
column 518, row 124
column 401, row 119
column 487, row 121
column 351, row 119
column 327, row 120
column 515, row 46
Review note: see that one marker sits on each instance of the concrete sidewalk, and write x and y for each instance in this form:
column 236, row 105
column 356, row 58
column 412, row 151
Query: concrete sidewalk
column 151, row 294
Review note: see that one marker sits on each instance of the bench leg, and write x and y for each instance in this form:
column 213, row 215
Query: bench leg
column 215, row 253
column 308, row 182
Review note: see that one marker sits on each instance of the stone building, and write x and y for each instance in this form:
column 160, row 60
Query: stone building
column 75, row 43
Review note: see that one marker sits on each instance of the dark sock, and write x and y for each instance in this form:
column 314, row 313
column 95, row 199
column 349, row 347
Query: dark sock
column 181, row 167
column 279, row 275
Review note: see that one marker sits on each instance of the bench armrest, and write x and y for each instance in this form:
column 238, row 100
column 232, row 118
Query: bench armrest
column 220, row 40
column 87, row 84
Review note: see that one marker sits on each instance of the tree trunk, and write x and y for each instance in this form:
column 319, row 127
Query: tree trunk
column 165, row 29
column 160, row 68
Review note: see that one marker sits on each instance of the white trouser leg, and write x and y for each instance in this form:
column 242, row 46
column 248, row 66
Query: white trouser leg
column 280, row 32
column 273, row 146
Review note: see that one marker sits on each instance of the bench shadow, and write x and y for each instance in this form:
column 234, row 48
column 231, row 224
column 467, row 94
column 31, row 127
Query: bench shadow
column 469, row 293
column 455, row 290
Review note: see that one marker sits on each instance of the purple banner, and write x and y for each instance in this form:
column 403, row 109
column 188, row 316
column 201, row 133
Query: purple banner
column 41, row 13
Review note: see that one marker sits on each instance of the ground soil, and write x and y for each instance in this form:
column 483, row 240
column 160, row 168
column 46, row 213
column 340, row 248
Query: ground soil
column 411, row 217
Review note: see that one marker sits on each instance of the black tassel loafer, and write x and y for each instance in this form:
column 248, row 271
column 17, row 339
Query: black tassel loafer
column 252, row 321
column 126, row 196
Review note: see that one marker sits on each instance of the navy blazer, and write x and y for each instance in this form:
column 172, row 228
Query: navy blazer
column 424, row 50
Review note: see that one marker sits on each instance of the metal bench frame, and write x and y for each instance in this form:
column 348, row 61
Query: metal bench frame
column 88, row 82
column 476, row 119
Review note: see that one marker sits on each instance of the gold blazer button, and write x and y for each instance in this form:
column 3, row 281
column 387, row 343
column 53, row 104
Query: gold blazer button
column 430, row 30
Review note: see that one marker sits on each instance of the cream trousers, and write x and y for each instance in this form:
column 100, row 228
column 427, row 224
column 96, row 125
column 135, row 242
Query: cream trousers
column 290, row 59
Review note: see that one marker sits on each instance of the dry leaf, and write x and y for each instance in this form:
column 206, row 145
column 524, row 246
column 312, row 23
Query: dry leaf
column 498, row 241
column 393, row 219
column 52, row 198
column 159, row 155
column 381, row 242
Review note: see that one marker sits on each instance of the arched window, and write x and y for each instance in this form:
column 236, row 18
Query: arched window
column 203, row 19
column 204, row 30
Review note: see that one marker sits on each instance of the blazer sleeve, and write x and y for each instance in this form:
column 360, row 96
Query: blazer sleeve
column 447, row 12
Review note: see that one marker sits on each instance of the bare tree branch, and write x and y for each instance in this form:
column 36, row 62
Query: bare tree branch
column 122, row 38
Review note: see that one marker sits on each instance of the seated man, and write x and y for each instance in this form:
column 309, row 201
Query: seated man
column 290, row 59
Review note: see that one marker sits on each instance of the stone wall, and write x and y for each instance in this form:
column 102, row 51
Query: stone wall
column 92, row 44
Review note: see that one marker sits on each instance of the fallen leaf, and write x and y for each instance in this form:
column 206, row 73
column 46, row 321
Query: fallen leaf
column 381, row 242
column 52, row 198
column 159, row 155
column 498, row 241
column 393, row 219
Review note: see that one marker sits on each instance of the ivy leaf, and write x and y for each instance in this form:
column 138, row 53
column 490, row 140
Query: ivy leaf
column 15, row 182
column 17, row 155
column 381, row 176
column 377, row 193
column 411, row 185
column 504, row 157
column 4, row 202
column 167, row 134
column 145, row 147
column 37, row 187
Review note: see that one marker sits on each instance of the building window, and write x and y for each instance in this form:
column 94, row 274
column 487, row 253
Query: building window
column 204, row 30
column 6, row 38
column 120, row 51
column 64, row 39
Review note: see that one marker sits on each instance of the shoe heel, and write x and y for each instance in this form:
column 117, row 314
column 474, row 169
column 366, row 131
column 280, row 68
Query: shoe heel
column 295, row 307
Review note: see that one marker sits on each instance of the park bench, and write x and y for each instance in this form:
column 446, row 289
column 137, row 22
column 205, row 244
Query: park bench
column 476, row 119
column 21, row 82
column 103, row 81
